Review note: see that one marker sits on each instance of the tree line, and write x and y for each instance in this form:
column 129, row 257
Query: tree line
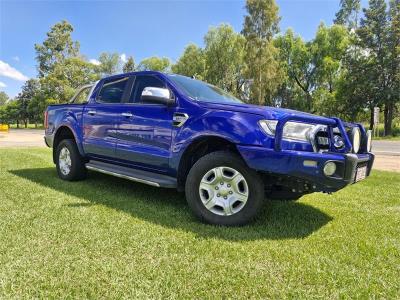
column 346, row 70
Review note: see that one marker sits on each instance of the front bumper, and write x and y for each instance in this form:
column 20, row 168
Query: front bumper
column 308, row 166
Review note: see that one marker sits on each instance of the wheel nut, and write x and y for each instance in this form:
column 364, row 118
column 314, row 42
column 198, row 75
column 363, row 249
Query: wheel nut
column 230, row 192
column 222, row 183
column 218, row 195
column 225, row 197
column 216, row 188
column 229, row 185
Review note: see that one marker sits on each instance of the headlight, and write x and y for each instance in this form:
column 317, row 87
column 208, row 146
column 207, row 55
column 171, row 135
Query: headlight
column 291, row 130
column 338, row 142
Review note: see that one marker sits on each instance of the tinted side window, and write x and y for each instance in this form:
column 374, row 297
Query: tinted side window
column 112, row 90
column 140, row 83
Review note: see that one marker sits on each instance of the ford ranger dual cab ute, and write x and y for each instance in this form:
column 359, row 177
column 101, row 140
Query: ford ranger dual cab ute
column 173, row 131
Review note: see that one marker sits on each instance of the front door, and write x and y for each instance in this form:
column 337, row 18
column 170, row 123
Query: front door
column 100, row 119
column 145, row 129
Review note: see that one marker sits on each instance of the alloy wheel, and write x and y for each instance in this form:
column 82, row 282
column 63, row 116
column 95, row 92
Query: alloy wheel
column 224, row 191
column 64, row 161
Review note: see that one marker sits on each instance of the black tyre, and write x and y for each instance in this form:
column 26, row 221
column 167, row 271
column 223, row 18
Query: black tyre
column 222, row 190
column 69, row 163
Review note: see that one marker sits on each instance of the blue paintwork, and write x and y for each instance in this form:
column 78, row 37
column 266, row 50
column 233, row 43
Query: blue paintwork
column 149, row 141
column 144, row 140
column 100, row 130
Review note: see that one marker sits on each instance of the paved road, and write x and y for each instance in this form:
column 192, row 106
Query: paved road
column 22, row 138
column 387, row 155
column 386, row 147
column 387, row 152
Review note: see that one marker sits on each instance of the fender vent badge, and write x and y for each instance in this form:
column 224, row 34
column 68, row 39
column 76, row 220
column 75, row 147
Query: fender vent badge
column 179, row 119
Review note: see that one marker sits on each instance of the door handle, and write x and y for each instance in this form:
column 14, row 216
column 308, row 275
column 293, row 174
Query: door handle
column 127, row 115
column 91, row 112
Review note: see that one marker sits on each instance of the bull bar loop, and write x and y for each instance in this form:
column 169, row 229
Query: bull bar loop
column 329, row 122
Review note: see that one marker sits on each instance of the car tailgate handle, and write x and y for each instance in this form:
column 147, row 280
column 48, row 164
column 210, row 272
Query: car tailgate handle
column 91, row 112
column 127, row 115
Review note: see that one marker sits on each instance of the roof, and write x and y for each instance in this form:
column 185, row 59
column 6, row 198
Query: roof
column 135, row 73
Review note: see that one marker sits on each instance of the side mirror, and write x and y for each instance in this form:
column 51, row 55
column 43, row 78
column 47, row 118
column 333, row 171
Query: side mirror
column 157, row 95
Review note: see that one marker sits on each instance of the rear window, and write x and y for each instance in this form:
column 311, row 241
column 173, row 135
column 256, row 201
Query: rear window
column 82, row 96
column 112, row 90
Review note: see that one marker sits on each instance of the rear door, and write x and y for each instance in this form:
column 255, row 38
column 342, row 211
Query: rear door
column 100, row 118
column 145, row 129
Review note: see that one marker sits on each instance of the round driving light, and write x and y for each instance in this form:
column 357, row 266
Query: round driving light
column 369, row 140
column 338, row 142
column 329, row 168
column 356, row 134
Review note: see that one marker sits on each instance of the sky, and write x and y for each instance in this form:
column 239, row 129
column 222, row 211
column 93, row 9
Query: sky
column 138, row 28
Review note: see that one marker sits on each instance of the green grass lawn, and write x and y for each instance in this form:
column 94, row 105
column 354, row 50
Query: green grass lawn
column 110, row 238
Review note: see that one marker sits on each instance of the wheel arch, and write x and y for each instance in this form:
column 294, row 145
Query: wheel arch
column 198, row 148
column 64, row 132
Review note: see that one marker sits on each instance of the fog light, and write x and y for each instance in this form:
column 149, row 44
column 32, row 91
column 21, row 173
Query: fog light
column 329, row 168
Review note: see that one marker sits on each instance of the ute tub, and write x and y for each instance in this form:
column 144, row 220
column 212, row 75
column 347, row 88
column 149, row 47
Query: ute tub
column 307, row 165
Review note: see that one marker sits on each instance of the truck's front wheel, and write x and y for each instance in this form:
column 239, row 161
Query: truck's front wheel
column 70, row 164
column 222, row 190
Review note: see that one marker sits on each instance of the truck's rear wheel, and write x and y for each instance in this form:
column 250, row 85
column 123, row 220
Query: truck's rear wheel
column 222, row 190
column 69, row 163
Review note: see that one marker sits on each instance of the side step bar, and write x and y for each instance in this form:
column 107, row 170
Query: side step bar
column 141, row 176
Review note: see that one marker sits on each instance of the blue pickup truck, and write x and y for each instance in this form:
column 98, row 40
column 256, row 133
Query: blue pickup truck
column 173, row 131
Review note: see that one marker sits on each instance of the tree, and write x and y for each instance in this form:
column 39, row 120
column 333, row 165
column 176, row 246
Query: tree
column 3, row 115
column 155, row 63
column 355, row 88
column 312, row 69
column 61, row 71
column 224, row 57
column 57, row 47
column 394, row 64
column 192, row 62
column 66, row 77
column 3, row 98
column 10, row 113
column 297, row 63
column 129, row 66
column 30, row 90
column 327, row 49
column 348, row 13
column 110, row 63
column 373, row 38
column 262, row 68
column 37, row 107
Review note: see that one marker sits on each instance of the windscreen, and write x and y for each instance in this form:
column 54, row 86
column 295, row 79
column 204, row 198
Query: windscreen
column 201, row 91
